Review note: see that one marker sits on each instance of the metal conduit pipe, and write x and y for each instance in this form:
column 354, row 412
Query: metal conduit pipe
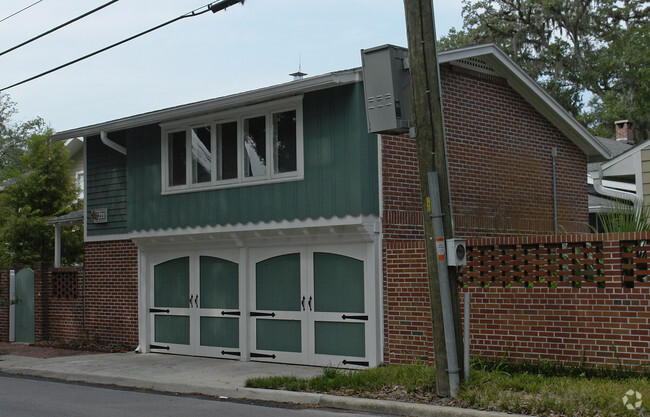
column 106, row 141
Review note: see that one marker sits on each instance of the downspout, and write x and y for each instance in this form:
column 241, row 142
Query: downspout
column 610, row 192
column 106, row 141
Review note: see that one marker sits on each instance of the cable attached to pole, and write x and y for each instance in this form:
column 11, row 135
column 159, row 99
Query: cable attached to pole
column 58, row 27
column 20, row 11
column 209, row 7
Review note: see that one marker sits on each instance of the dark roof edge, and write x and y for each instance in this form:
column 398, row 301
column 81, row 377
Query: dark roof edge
column 212, row 105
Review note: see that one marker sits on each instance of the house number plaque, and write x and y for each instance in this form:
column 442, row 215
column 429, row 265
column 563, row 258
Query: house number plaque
column 99, row 215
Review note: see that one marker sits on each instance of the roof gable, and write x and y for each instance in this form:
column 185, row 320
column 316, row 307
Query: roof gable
column 490, row 59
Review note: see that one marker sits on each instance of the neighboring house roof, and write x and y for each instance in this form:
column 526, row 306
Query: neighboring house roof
column 76, row 217
column 484, row 58
column 74, row 145
column 615, row 147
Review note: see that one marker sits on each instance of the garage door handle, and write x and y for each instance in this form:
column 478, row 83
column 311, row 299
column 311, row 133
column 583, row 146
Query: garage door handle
column 302, row 303
column 344, row 317
column 358, row 363
column 191, row 298
column 309, row 303
column 158, row 310
column 230, row 313
column 258, row 314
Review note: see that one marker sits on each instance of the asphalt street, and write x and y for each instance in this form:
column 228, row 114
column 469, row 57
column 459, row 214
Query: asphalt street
column 27, row 397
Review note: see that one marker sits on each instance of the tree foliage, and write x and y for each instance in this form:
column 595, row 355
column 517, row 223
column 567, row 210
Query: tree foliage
column 592, row 56
column 13, row 135
column 41, row 189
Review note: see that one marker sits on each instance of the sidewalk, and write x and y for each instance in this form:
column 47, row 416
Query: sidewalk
column 213, row 377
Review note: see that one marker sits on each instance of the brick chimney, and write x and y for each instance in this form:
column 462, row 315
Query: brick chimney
column 624, row 131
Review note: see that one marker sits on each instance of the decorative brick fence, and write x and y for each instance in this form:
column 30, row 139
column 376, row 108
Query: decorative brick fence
column 566, row 298
column 95, row 302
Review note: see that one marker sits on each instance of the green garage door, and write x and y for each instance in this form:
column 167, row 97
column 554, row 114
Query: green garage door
column 309, row 307
column 278, row 311
column 196, row 307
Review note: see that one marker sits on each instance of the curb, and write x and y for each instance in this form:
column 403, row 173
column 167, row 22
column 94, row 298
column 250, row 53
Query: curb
column 324, row 400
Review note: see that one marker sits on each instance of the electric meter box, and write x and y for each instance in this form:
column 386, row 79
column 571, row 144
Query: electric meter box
column 456, row 252
column 387, row 87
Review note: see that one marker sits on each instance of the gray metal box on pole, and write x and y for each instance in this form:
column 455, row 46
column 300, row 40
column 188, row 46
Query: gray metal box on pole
column 387, row 87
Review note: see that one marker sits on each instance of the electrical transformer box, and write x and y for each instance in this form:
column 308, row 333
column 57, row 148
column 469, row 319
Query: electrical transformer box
column 387, row 87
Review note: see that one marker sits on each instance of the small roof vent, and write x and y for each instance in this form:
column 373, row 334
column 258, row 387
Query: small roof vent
column 475, row 64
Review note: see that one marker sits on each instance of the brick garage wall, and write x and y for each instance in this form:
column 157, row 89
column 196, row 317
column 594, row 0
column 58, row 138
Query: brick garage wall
column 500, row 169
column 111, row 278
column 500, row 164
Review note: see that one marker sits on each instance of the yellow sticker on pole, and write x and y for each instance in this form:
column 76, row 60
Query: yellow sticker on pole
column 440, row 248
column 428, row 204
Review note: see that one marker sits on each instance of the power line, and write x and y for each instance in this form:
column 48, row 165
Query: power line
column 59, row 27
column 21, row 10
column 214, row 7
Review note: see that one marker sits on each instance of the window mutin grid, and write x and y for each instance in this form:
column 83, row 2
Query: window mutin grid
column 271, row 152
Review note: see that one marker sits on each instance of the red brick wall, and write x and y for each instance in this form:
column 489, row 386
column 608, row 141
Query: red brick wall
column 64, row 316
column 111, row 278
column 566, row 298
column 500, row 165
column 500, row 170
column 109, row 285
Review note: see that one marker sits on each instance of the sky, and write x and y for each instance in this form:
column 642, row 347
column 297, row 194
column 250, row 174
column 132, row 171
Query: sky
column 212, row 55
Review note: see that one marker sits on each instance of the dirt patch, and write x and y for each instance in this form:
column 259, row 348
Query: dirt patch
column 22, row 349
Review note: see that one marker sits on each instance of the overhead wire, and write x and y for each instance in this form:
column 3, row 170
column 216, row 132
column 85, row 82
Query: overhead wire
column 59, row 27
column 20, row 11
column 213, row 6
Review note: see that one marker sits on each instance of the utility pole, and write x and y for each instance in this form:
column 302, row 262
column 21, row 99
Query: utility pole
column 432, row 158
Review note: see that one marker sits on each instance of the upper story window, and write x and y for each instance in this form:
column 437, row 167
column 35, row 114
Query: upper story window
column 244, row 147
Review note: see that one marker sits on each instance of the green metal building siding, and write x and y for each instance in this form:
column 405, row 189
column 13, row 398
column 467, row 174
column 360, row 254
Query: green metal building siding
column 340, row 174
column 106, row 185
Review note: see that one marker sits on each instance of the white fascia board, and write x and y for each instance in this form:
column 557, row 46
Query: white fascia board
column 362, row 226
column 261, row 227
column 214, row 105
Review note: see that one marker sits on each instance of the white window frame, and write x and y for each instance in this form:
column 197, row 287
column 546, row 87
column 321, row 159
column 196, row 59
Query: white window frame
column 239, row 115
column 81, row 185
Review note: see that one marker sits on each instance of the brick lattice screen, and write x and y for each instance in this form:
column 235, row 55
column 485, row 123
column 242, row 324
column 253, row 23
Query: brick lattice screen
column 64, row 283
column 566, row 298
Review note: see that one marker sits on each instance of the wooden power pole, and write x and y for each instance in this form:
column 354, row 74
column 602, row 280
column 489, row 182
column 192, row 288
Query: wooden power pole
column 432, row 157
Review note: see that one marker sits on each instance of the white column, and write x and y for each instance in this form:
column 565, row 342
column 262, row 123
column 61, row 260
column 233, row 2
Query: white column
column 57, row 246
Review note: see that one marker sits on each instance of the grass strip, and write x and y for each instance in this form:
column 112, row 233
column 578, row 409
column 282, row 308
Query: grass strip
column 522, row 392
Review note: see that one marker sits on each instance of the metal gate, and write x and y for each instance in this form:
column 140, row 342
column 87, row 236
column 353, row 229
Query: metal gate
column 24, row 313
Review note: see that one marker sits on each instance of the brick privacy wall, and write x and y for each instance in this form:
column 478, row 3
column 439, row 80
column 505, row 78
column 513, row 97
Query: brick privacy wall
column 500, row 170
column 64, row 316
column 110, row 288
column 538, row 298
column 111, row 278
